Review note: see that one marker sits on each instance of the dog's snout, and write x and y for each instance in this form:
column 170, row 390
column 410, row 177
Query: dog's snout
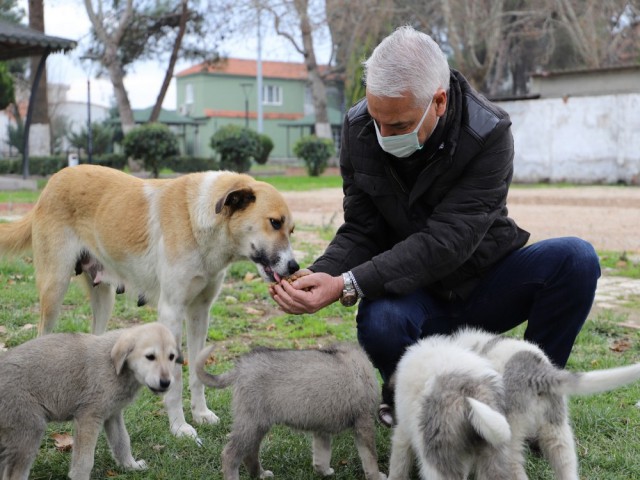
column 292, row 266
column 165, row 383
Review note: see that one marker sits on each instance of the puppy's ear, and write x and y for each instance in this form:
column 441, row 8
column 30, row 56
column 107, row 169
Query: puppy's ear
column 235, row 199
column 121, row 350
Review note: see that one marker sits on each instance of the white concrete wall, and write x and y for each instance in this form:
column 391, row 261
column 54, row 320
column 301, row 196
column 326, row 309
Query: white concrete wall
column 578, row 139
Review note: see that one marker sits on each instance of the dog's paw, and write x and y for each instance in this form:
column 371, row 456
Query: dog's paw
column 324, row 471
column 266, row 474
column 207, row 416
column 184, row 430
column 139, row 465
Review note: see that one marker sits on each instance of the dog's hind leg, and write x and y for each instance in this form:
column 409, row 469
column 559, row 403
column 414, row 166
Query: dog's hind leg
column 321, row 446
column 243, row 445
column 19, row 450
column 52, row 287
column 365, row 437
column 557, row 445
column 102, row 297
column 120, row 443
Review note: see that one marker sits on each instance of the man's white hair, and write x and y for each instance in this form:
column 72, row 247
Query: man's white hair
column 407, row 62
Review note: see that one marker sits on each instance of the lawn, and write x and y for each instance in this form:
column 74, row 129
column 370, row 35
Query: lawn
column 607, row 426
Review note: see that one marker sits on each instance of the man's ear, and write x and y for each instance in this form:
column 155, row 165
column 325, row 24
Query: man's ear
column 235, row 200
column 121, row 350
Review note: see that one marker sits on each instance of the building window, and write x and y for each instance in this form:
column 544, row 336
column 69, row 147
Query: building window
column 272, row 95
column 188, row 94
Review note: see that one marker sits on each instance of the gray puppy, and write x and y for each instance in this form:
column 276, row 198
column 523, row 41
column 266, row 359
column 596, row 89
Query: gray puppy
column 87, row 378
column 323, row 391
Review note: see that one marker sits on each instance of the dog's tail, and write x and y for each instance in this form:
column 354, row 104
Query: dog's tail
column 15, row 237
column 598, row 381
column 488, row 423
column 217, row 381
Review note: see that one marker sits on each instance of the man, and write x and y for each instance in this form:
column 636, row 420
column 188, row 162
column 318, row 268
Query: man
column 427, row 244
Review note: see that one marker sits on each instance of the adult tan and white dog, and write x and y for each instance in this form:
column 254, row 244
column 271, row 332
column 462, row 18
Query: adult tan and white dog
column 87, row 378
column 167, row 242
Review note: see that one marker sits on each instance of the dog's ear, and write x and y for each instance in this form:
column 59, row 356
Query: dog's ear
column 235, row 199
column 121, row 350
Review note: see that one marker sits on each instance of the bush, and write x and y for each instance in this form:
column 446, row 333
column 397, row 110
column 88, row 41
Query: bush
column 315, row 152
column 152, row 143
column 191, row 164
column 266, row 145
column 236, row 146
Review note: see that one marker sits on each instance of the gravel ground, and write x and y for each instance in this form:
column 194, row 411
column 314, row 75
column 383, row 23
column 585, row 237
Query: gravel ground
column 608, row 217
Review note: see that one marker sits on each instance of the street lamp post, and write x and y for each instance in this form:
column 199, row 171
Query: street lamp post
column 89, row 130
column 246, row 87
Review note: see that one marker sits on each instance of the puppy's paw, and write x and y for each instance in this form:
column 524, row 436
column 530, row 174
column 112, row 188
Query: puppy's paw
column 184, row 430
column 139, row 465
column 324, row 471
column 206, row 416
column 266, row 474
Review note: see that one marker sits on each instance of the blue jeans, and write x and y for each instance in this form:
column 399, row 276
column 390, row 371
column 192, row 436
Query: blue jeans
column 550, row 284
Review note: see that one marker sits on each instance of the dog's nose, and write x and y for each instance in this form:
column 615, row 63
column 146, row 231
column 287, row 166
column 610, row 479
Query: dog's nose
column 293, row 266
column 164, row 383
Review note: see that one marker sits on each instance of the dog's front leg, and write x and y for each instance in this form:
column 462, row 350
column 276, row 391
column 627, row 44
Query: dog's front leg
column 172, row 317
column 401, row 459
column 118, row 439
column 197, row 328
column 85, row 438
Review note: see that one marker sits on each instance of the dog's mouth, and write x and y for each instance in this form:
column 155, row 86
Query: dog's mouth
column 158, row 391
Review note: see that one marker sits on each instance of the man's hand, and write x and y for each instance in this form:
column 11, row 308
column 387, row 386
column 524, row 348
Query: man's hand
column 308, row 293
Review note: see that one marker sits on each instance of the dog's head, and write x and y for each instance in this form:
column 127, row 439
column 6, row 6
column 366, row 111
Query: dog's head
column 150, row 352
column 260, row 225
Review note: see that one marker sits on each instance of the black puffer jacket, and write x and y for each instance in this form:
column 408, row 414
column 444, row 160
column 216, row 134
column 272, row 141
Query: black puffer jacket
column 445, row 231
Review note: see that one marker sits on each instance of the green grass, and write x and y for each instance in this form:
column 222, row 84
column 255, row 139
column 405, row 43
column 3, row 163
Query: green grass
column 607, row 426
column 302, row 183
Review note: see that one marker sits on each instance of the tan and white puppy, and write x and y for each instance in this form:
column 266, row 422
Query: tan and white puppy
column 167, row 242
column 80, row 377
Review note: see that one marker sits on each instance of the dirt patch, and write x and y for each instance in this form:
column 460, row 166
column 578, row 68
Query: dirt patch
column 608, row 217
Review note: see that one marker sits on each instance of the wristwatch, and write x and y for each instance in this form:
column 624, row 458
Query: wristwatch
column 349, row 295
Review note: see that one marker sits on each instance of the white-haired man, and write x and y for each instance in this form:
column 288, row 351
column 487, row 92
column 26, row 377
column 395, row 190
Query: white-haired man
column 427, row 244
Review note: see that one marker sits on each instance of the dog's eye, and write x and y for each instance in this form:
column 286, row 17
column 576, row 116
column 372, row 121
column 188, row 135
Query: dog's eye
column 276, row 224
column 171, row 357
column 151, row 357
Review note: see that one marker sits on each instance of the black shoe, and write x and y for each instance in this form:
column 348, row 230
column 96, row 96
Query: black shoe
column 385, row 415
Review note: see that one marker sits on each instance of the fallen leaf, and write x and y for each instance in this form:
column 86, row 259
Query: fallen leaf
column 27, row 326
column 111, row 473
column 253, row 311
column 620, row 345
column 63, row 441
column 249, row 277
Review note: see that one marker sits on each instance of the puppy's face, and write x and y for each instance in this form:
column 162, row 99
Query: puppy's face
column 261, row 225
column 151, row 353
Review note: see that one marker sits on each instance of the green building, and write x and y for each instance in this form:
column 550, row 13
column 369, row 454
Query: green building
column 225, row 93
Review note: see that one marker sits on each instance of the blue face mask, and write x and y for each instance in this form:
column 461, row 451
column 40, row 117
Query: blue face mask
column 402, row 146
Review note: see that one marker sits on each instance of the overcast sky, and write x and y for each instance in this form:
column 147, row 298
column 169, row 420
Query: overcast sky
column 68, row 19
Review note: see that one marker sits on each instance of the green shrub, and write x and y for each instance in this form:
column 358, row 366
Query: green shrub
column 315, row 152
column 152, row 143
column 236, row 146
column 101, row 138
column 266, row 146
column 191, row 164
column 113, row 160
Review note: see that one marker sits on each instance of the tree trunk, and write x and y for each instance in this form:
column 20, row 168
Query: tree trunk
column 39, row 135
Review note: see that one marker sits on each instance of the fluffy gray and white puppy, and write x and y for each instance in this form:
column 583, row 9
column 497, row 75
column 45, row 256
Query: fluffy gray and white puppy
column 324, row 391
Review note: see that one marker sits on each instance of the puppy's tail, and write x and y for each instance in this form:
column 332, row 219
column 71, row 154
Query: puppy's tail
column 598, row 381
column 15, row 237
column 488, row 423
column 217, row 381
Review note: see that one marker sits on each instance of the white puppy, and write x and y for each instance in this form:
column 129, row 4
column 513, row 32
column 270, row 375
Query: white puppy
column 450, row 413
column 536, row 391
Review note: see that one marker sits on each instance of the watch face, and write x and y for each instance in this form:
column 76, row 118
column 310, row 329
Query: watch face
column 349, row 299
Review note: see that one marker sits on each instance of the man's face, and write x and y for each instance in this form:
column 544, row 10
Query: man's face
column 400, row 115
